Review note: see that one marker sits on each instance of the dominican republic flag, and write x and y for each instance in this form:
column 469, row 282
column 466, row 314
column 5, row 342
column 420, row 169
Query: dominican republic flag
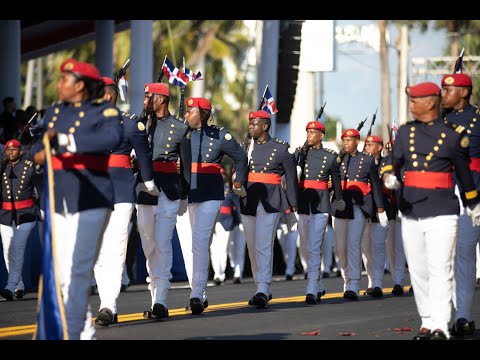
column 394, row 129
column 174, row 75
column 123, row 88
column 51, row 321
column 268, row 102
column 191, row 76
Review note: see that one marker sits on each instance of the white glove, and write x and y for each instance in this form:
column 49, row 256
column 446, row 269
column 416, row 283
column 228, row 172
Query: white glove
column 151, row 188
column 474, row 214
column 240, row 191
column 182, row 209
column 383, row 219
column 299, row 171
column 292, row 221
column 391, row 182
column 340, row 205
column 140, row 187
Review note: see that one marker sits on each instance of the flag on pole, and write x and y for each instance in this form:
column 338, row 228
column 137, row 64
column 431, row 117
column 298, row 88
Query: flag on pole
column 268, row 102
column 190, row 75
column 123, row 88
column 394, row 129
column 174, row 75
column 51, row 321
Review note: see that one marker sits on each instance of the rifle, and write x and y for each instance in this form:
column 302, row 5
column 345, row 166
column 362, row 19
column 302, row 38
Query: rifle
column 248, row 142
column 459, row 63
column 361, row 123
column 122, row 71
column 181, row 111
column 371, row 124
column 304, row 149
column 19, row 137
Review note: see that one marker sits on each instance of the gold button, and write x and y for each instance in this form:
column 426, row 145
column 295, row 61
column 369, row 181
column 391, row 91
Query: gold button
column 81, row 114
column 435, row 148
column 275, row 149
column 415, row 164
column 77, row 123
column 271, row 159
column 168, row 145
column 428, row 158
column 169, row 138
column 16, row 197
column 171, row 132
column 412, row 141
column 209, row 149
column 171, row 125
column 273, row 154
column 474, row 119
column 207, row 155
column 54, row 118
column 469, row 131
column 166, row 152
column 56, row 110
column 306, row 170
column 9, row 197
column 71, row 130
column 412, row 128
column 21, row 181
column 50, row 125
column 412, row 135
column 472, row 125
column 440, row 141
column 306, row 176
column 8, row 187
column 268, row 163
column 306, row 165
column 412, row 148
column 211, row 144
column 443, row 135
column 425, row 164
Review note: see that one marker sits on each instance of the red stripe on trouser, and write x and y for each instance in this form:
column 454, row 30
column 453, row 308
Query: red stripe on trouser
column 475, row 164
column 225, row 210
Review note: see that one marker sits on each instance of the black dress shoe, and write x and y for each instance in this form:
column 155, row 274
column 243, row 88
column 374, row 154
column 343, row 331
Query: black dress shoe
column 19, row 294
column 260, row 300
column 397, row 290
column 424, row 334
column 288, row 277
column 106, row 317
column 250, row 302
column 319, row 295
column 237, row 280
column 205, row 303
column 311, row 299
column 196, row 306
column 93, row 290
column 438, row 334
column 159, row 311
column 305, row 276
column 123, row 288
column 377, row 292
column 478, row 281
column 463, row 327
column 7, row 294
column 351, row 295
column 325, row 274
column 368, row 291
column 217, row 281
column 411, row 289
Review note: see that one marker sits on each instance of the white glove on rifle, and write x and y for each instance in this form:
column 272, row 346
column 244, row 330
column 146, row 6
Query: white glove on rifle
column 299, row 171
column 182, row 209
column 240, row 191
column 391, row 182
column 151, row 188
column 474, row 214
column 340, row 205
column 383, row 219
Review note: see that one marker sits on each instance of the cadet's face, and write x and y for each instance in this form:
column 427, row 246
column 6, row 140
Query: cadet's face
column 256, row 127
column 373, row 148
column 451, row 96
column 68, row 88
column 148, row 102
column 13, row 153
column 418, row 107
column 350, row 144
column 193, row 117
column 314, row 137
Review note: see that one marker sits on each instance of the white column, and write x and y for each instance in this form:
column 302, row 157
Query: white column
column 303, row 107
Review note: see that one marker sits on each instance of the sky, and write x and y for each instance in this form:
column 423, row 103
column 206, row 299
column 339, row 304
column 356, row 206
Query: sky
column 353, row 91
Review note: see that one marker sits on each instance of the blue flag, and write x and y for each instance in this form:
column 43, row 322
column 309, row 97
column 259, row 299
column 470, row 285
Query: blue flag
column 51, row 322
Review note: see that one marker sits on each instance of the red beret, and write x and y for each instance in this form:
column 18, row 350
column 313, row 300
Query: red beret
column 14, row 143
column 202, row 103
column 316, row 125
column 82, row 68
column 157, row 88
column 351, row 132
column 423, row 89
column 107, row 81
column 374, row 138
column 260, row 114
column 456, row 80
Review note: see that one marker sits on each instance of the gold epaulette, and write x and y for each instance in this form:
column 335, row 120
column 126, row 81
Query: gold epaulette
column 29, row 163
column 280, row 141
column 330, row 151
column 98, row 101
column 364, row 153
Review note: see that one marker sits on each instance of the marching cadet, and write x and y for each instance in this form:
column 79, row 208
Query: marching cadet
column 17, row 215
column 269, row 159
column 157, row 216
column 428, row 149
column 317, row 165
column 374, row 234
column 82, row 128
column 394, row 242
column 457, row 89
column 228, row 238
column 209, row 144
column 362, row 192
column 111, row 259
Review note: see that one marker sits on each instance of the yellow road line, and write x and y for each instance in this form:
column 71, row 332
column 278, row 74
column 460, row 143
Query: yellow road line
column 30, row 329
